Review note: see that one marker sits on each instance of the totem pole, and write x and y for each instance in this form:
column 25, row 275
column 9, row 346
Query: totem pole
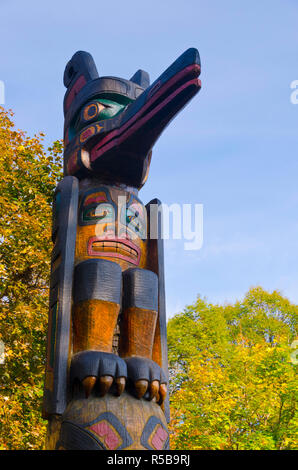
column 106, row 370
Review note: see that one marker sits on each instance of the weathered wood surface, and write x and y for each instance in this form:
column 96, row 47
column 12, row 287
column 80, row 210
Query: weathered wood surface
column 107, row 372
column 97, row 424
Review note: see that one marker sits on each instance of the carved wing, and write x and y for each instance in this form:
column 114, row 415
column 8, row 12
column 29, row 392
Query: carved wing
column 65, row 210
column 156, row 264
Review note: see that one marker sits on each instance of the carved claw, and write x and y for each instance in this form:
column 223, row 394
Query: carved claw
column 105, row 382
column 120, row 385
column 153, row 390
column 162, row 393
column 88, row 384
column 147, row 376
column 91, row 366
column 141, row 388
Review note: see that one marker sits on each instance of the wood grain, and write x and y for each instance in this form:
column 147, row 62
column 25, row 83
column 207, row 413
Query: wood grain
column 94, row 323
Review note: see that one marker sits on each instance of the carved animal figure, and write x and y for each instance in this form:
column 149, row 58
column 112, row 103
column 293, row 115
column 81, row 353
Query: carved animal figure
column 106, row 371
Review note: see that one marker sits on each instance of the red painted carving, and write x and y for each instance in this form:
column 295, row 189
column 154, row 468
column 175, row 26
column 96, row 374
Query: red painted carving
column 87, row 133
column 159, row 438
column 81, row 81
column 110, row 438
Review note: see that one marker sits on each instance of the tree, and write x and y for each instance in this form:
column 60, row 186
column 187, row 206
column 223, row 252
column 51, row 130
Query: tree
column 233, row 381
column 29, row 175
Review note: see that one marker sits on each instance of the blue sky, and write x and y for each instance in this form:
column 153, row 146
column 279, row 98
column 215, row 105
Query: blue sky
column 233, row 149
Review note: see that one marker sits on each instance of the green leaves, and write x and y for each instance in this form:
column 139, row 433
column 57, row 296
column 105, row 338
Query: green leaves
column 232, row 381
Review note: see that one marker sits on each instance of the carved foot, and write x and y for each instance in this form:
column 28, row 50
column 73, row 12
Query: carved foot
column 147, row 377
column 106, row 369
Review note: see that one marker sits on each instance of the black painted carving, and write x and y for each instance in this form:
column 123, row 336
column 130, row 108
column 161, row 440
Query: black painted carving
column 64, row 237
column 96, row 363
column 140, row 288
column 148, row 430
column 141, row 368
column 97, row 279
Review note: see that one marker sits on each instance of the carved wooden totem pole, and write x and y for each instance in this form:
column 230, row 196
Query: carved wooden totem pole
column 106, row 371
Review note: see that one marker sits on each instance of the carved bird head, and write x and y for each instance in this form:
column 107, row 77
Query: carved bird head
column 111, row 124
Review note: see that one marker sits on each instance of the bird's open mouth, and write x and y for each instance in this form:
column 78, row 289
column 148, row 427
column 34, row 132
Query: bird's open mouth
column 156, row 108
column 114, row 248
column 120, row 146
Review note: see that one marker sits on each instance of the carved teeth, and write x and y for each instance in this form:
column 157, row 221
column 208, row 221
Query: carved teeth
column 85, row 158
column 114, row 247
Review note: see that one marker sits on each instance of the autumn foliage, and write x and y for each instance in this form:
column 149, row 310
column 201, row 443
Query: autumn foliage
column 28, row 176
column 231, row 367
column 233, row 374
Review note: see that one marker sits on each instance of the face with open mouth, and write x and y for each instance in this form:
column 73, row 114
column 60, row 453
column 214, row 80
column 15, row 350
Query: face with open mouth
column 112, row 225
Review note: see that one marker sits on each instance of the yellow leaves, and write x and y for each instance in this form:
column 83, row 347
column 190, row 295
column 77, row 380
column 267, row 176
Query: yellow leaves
column 237, row 388
column 28, row 177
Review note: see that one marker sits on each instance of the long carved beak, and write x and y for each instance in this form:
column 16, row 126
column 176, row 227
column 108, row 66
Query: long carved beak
column 125, row 147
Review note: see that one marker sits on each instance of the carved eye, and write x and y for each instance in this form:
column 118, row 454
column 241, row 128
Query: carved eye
column 134, row 219
column 92, row 111
column 92, row 213
column 131, row 215
column 100, row 109
column 98, row 213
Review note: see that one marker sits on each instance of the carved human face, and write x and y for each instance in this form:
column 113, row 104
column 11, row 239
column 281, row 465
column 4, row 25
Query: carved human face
column 112, row 225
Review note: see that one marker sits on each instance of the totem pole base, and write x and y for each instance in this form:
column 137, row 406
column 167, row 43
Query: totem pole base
column 109, row 423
